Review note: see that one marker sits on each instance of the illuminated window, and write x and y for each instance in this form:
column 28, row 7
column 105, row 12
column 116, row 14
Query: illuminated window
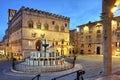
column 89, row 45
column 98, row 25
column 119, row 24
column 117, row 44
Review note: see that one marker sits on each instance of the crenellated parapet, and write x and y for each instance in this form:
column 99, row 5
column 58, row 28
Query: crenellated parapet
column 44, row 13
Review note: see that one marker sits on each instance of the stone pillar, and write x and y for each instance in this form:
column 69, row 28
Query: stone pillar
column 107, row 37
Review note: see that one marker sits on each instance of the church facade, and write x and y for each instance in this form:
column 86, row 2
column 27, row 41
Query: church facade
column 27, row 28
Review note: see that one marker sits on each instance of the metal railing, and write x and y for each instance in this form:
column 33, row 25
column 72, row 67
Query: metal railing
column 79, row 75
column 36, row 77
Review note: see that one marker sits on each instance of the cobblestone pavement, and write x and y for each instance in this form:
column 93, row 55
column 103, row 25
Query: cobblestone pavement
column 92, row 65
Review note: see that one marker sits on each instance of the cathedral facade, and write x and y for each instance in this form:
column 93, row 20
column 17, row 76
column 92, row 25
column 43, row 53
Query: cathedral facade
column 27, row 28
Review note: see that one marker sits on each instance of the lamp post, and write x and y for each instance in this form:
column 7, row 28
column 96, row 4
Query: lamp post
column 107, row 38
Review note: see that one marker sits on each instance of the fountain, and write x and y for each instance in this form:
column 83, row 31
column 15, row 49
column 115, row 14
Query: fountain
column 44, row 61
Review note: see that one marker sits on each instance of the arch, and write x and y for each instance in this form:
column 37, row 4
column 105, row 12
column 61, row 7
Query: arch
column 98, row 50
column 38, row 45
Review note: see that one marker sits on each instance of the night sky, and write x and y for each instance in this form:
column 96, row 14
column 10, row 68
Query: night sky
column 79, row 11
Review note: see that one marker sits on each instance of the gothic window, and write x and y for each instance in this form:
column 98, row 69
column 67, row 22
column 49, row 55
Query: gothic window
column 53, row 22
column 89, row 45
column 56, row 28
column 53, row 44
column 118, row 24
column 118, row 35
column 30, row 24
column 62, row 29
column 62, row 41
column 46, row 26
column 66, row 25
column 56, row 43
column 38, row 25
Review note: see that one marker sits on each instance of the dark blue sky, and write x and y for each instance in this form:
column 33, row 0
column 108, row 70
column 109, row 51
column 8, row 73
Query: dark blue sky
column 79, row 11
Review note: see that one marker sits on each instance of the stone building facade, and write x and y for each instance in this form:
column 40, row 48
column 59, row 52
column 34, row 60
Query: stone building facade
column 88, row 37
column 29, row 27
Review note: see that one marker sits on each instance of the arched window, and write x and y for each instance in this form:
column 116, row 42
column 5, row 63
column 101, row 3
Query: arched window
column 46, row 26
column 38, row 25
column 62, row 41
column 30, row 24
column 56, row 28
column 62, row 29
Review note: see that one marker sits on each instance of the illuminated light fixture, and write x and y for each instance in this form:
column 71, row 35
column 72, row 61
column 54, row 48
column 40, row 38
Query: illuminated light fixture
column 86, row 28
column 117, row 50
column 117, row 2
column 114, row 9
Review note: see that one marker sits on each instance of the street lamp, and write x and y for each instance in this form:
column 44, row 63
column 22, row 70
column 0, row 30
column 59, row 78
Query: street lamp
column 107, row 16
column 115, row 9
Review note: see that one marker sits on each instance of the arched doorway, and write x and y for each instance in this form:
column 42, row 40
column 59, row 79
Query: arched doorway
column 38, row 45
column 98, row 50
